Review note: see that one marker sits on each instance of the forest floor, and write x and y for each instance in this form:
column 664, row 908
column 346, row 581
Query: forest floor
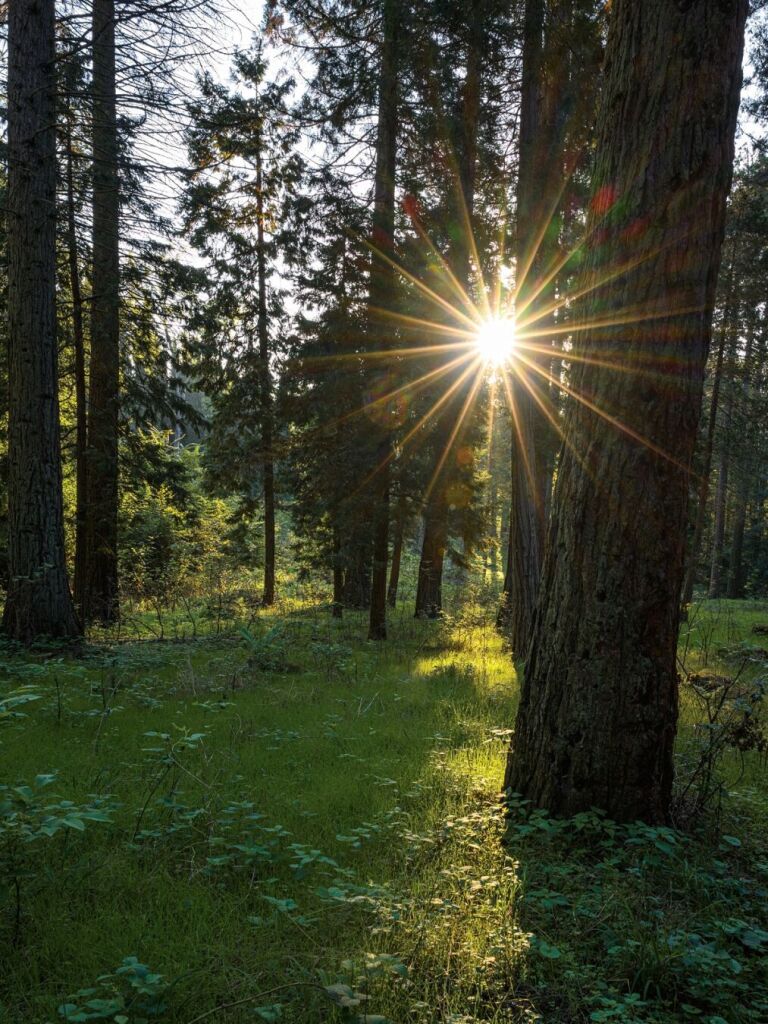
column 294, row 824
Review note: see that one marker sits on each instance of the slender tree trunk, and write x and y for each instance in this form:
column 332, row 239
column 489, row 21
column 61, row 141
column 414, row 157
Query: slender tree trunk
column 267, row 425
column 716, row 587
column 81, row 412
column 706, row 469
column 397, row 553
column 356, row 559
column 100, row 591
column 338, row 576
column 598, row 710
column 736, row 568
column 381, row 292
column 429, row 584
column 39, row 602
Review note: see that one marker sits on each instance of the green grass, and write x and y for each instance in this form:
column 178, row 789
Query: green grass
column 378, row 862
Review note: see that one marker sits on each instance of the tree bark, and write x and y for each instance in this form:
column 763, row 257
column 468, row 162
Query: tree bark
column 267, row 425
column 598, row 710
column 381, row 291
column 100, row 592
column 39, row 602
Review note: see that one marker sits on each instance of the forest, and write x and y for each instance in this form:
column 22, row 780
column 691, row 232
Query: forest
column 384, row 511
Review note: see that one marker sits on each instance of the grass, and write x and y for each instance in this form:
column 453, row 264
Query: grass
column 307, row 827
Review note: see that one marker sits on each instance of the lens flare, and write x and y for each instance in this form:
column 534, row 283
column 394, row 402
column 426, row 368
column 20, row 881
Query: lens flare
column 495, row 341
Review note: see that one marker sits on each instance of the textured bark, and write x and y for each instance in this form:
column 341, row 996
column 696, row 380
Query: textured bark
column 39, row 602
column 598, row 710
column 429, row 584
column 381, row 291
column 267, row 425
column 100, row 590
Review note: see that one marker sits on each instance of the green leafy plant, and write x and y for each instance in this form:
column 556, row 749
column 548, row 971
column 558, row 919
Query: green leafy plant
column 29, row 821
column 131, row 994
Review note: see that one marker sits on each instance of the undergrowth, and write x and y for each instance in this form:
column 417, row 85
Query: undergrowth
column 284, row 822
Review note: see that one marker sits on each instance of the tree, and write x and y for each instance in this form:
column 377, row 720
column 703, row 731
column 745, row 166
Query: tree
column 39, row 601
column 244, row 165
column 381, row 289
column 99, row 595
column 561, row 50
column 598, row 711
column 429, row 598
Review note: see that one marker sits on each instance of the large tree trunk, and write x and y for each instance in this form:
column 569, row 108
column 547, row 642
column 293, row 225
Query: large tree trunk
column 265, row 383
column 598, row 710
column 39, row 602
column 100, row 592
column 381, row 291
column 429, row 583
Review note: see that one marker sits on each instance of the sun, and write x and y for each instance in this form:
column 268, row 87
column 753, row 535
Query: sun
column 495, row 341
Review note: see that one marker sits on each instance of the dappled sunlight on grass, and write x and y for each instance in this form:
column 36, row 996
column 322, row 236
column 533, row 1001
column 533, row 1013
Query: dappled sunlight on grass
column 301, row 817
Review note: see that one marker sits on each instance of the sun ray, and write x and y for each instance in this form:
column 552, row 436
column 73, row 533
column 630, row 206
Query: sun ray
column 592, row 286
column 613, row 420
column 521, row 448
column 454, row 434
column 419, row 284
column 432, row 411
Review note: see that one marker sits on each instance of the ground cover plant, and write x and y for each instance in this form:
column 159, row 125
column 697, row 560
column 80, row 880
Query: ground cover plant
column 191, row 833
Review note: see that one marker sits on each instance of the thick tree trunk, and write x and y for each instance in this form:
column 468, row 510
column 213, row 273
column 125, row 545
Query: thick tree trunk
column 598, row 710
column 267, row 425
column 100, row 591
column 39, row 602
column 81, row 412
column 381, row 291
column 429, row 584
column 355, row 557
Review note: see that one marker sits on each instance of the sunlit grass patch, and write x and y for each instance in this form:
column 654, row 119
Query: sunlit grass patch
column 308, row 824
